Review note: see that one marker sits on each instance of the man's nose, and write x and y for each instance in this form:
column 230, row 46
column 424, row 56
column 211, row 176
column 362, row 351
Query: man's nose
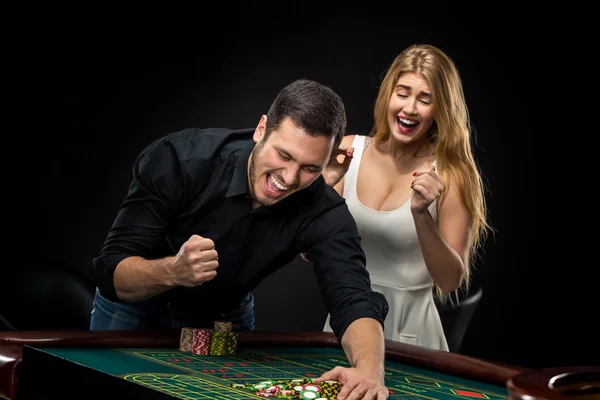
column 291, row 175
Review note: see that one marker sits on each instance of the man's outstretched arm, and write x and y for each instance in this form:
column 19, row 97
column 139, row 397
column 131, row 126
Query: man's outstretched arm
column 364, row 345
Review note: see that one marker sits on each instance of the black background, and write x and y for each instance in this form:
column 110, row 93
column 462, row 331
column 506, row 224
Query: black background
column 98, row 81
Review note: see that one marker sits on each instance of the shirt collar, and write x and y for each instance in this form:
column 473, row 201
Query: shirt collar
column 239, row 181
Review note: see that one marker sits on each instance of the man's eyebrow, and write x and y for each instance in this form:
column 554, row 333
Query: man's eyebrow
column 410, row 89
column 285, row 153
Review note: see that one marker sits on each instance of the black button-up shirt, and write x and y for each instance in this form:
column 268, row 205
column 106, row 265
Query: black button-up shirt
column 195, row 182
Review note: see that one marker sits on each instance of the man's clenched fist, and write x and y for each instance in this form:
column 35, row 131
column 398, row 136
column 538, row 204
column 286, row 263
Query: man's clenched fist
column 196, row 262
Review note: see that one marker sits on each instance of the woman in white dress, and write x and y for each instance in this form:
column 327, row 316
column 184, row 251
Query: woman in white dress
column 415, row 191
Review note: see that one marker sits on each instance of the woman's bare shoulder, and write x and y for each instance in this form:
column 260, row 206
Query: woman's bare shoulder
column 348, row 140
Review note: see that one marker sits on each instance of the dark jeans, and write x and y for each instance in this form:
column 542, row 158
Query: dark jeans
column 109, row 315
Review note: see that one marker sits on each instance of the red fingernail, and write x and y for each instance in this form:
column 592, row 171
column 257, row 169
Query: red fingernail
column 414, row 174
column 351, row 154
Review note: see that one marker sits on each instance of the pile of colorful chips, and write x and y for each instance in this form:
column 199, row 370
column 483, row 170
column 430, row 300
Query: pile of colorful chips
column 302, row 388
column 220, row 341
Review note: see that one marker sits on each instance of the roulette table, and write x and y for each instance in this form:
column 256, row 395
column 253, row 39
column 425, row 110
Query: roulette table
column 149, row 365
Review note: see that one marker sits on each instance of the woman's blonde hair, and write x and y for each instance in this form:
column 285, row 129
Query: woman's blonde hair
column 450, row 134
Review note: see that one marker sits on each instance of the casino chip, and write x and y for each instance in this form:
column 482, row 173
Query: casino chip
column 239, row 385
column 309, row 395
column 223, row 326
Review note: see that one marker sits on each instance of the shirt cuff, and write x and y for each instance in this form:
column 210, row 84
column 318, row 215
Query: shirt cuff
column 369, row 305
column 103, row 271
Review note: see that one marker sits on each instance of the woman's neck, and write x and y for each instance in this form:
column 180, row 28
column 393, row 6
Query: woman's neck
column 420, row 148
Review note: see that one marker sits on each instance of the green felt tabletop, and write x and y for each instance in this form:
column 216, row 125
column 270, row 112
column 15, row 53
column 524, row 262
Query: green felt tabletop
column 190, row 376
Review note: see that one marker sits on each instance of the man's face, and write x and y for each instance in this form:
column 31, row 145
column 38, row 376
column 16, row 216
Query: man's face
column 287, row 161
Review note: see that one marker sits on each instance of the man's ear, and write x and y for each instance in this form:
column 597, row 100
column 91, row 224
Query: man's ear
column 260, row 130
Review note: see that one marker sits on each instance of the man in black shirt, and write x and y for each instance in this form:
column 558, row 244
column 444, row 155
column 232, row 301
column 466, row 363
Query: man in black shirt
column 212, row 212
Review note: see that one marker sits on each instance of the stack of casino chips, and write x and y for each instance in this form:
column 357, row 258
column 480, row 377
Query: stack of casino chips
column 223, row 342
column 330, row 389
column 302, row 388
column 220, row 341
column 196, row 341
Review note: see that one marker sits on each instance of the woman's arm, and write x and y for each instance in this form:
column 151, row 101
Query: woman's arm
column 338, row 166
column 445, row 244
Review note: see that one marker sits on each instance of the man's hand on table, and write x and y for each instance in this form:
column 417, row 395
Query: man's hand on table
column 356, row 385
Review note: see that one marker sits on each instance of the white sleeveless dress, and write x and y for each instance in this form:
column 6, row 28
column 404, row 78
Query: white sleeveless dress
column 396, row 266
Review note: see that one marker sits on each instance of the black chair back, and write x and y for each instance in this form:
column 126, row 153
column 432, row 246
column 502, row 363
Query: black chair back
column 44, row 295
column 456, row 318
